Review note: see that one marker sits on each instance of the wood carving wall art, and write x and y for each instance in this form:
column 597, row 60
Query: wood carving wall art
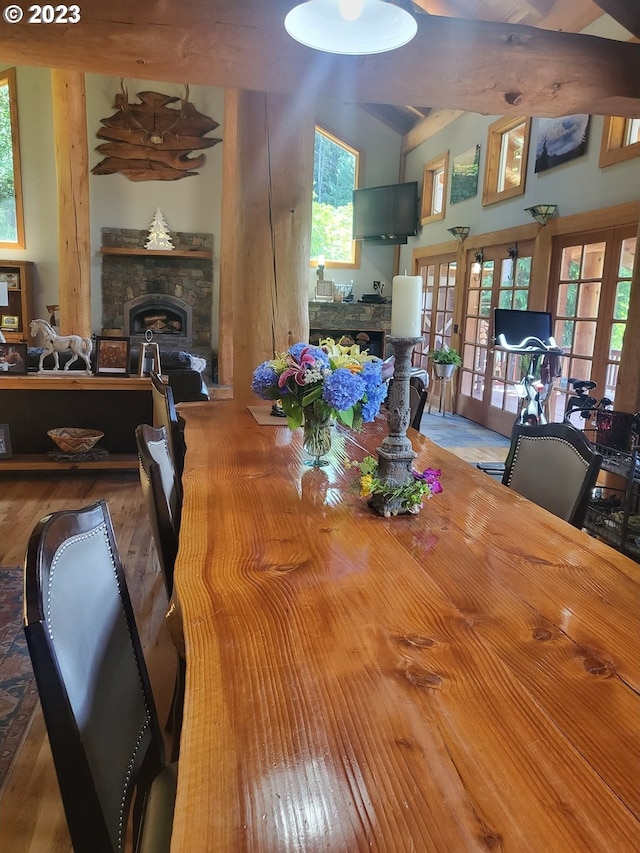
column 151, row 140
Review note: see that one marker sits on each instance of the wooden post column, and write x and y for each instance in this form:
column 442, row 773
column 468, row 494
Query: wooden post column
column 266, row 228
column 72, row 169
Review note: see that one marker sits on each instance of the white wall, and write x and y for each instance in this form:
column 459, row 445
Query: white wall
column 577, row 186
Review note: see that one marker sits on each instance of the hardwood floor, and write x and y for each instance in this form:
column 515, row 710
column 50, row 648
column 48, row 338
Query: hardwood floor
column 31, row 815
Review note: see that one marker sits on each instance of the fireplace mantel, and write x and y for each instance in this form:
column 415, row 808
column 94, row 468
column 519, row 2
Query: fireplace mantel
column 158, row 253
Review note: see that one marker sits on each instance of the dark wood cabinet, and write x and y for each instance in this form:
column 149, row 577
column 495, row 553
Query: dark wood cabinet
column 33, row 404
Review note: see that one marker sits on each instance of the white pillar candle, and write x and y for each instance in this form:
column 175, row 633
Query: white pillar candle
column 406, row 298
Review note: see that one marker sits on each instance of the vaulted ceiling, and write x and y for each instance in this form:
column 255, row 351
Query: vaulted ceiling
column 495, row 57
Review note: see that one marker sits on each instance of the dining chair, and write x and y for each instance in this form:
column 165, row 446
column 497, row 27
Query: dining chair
column 162, row 493
column 163, row 497
column 418, row 393
column 94, row 687
column 555, row 466
column 165, row 414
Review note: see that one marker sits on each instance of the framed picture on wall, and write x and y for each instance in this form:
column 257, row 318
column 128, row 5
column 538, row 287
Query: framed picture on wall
column 112, row 356
column 559, row 140
column 464, row 175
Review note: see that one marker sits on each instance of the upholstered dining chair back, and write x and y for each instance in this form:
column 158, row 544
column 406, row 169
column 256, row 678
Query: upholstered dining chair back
column 94, row 687
column 162, row 493
column 417, row 398
column 165, row 414
column 555, row 466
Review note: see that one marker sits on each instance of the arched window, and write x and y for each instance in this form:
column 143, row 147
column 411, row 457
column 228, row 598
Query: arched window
column 11, row 221
column 335, row 176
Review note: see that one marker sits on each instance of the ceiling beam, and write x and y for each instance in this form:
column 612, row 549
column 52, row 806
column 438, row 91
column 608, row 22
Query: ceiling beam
column 488, row 68
column 625, row 12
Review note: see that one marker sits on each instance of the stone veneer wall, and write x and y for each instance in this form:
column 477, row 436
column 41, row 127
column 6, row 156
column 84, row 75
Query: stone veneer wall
column 125, row 277
column 350, row 315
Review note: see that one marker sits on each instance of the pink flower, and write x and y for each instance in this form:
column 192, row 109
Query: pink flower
column 297, row 370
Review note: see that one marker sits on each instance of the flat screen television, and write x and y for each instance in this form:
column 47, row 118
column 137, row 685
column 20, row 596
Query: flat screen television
column 512, row 327
column 385, row 216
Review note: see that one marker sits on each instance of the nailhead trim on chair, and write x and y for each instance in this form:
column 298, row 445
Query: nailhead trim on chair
column 102, row 530
column 544, row 438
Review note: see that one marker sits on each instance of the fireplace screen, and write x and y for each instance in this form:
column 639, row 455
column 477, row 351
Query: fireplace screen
column 168, row 317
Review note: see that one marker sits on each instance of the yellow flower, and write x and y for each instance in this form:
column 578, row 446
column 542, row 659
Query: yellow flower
column 366, row 485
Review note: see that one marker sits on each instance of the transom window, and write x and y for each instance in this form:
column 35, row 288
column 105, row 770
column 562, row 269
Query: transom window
column 620, row 140
column 335, row 176
column 11, row 220
column 507, row 153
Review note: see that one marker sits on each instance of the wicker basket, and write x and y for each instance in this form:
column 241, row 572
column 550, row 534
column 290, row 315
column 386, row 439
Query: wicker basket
column 73, row 440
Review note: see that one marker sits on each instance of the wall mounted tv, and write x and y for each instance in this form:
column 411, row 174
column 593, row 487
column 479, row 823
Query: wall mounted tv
column 385, row 216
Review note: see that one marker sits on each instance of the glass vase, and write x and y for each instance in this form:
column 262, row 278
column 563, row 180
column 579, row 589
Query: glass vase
column 317, row 436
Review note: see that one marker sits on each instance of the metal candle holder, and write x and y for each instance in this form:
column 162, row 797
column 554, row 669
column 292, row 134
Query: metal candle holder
column 396, row 454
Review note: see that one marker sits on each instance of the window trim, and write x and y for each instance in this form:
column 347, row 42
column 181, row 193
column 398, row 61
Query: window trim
column 429, row 171
column 612, row 147
column 8, row 76
column 495, row 133
column 355, row 244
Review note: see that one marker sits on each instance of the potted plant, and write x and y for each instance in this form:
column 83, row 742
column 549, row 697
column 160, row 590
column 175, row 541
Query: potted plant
column 445, row 360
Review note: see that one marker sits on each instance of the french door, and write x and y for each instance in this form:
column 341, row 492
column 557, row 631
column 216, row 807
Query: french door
column 591, row 286
column 488, row 391
column 438, row 302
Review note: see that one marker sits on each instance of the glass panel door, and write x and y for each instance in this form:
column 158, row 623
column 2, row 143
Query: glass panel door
column 499, row 278
column 592, row 286
column 438, row 302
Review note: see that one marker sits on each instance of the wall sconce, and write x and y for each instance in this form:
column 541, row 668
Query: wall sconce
column 476, row 266
column 320, row 270
column 460, row 232
column 512, row 252
column 542, row 213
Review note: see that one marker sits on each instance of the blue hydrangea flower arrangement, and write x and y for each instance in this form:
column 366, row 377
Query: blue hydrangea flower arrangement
column 340, row 382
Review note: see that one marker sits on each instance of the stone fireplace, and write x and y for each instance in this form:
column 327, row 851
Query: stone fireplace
column 168, row 292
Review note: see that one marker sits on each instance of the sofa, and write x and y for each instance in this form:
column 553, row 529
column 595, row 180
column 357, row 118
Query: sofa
column 183, row 370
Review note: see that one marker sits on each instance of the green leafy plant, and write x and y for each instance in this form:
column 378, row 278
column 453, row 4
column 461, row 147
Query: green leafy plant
column 421, row 486
column 445, row 355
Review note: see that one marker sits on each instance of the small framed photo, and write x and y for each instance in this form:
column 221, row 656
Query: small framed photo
column 11, row 279
column 13, row 359
column 5, row 442
column 9, row 321
column 112, row 356
column 324, row 290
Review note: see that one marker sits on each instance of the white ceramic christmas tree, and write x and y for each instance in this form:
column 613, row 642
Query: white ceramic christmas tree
column 159, row 237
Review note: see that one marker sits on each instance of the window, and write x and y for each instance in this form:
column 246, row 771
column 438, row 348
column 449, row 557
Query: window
column 434, row 189
column 620, row 140
column 335, row 176
column 11, row 221
column 507, row 153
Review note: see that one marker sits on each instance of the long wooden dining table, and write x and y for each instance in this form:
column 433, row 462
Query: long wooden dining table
column 464, row 679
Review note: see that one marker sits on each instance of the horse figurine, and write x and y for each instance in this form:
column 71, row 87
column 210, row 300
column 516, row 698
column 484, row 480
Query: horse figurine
column 53, row 344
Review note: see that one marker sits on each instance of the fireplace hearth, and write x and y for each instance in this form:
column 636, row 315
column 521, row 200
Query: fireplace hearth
column 167, row 293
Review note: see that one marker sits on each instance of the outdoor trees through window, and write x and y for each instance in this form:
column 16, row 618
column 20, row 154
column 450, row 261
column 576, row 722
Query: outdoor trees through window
column 335, row 176
column 11, row 224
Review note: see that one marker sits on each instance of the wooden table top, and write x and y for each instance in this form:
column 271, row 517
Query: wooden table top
column 462, row 680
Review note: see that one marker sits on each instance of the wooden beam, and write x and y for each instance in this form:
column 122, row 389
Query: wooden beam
column 433, row 124
column 489, row 68
column 72, row 170
column 625, row 12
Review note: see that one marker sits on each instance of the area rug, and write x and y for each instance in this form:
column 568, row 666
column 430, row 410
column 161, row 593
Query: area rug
column 18, row 692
